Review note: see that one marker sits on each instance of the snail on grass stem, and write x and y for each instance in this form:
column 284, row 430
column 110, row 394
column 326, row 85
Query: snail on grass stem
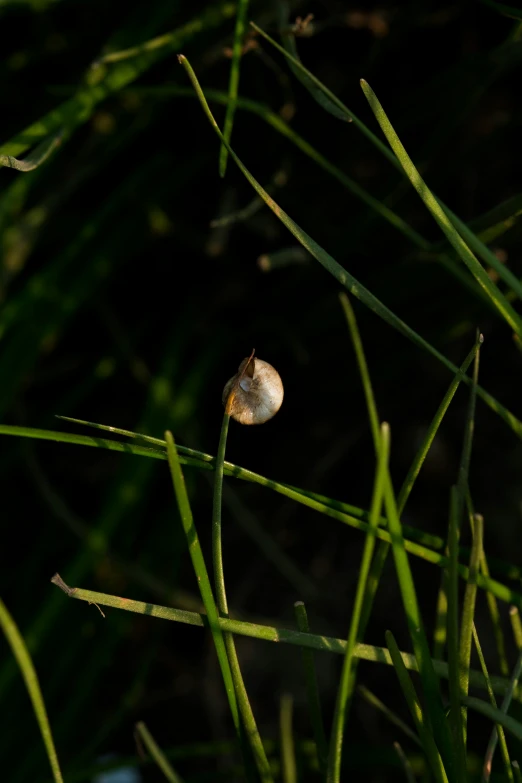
column 255, row 393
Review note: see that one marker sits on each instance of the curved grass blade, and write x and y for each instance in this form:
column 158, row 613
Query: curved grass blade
column 28, row 672
column 339, row 273
column 374, row 700
column 410, row 777
column 200, row 570
column 506, row 703
column 347, row 682
column 157, row 754
column 233, row 85
column 268, row 633
column 38, row 156
column 441, row 217
column 500, row 731
column 288, row 764
column 496, row 715
column 314, row 702
column 414, row 706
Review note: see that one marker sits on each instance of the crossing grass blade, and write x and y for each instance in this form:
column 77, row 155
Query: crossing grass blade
column 506, row 703
column 452, row 617
column 157, row 754
column 374, row 700
column 233, row 85
column 468, row 612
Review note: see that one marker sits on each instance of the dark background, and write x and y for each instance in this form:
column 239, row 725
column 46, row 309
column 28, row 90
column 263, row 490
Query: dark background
column 121, row 305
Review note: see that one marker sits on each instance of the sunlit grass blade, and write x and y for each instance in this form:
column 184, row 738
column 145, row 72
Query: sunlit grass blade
column 157, row 754
column 453, row 639
column 346, row 683
column 28, row 672
column 233, row 85
column 451, row 233
column 340, row 274
column 247, row 715
column 506, row 703
column 391, row 716
column 288, row 763
column 468, row 612
column 500, row 731
column 38, row 156
column 419, row 718
column 269, row 633
column 200, row 570
column 416, row 628
column 312, row 690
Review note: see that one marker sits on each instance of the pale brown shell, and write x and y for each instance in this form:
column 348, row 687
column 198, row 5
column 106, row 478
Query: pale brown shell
column 259, row 394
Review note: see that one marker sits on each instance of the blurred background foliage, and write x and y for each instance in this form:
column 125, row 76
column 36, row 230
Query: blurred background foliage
column 124, row 302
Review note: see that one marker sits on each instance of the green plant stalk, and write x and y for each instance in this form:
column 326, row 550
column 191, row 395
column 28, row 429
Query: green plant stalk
column 312, row 690
column 410, row 777
column 25, row 664
column 247, row 715
column 346, row 683
column 200, row 570
column 419, row 719
column 468, row 612
column 233, row 85
column 516, row 626
column 268, row 633
column 473, row 241
column 374, row 700
column 506, row 703
column 157, row 754
column 500, row 731
column 288, row 764
column 417, row 633
column 340, row 274
column 451, row 233
column 453, row 640
column 517, row 772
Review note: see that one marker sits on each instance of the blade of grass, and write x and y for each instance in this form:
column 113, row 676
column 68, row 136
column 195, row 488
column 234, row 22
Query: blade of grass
column 346, row 684
column 268, row 633
column 455, row 715
column 410, row 777
column 472, row 240
column 233, row 85
column 312, row 691
column 157, row 754
column 451, row 233
column 495, row 715
column 288, row 764
column 517, row 772
column 200, row 570
column 516, row 625
column 251, row 730
column 38, row 156
column 500, row 731
column 419, row 719
column 374, row 700
column 506, row 703
column 347, row 280
column 468, row 612
column 25, row 664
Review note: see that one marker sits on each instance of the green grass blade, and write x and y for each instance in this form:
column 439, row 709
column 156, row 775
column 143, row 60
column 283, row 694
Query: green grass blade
column 495, row 715
column 500, row 731
column 200, row 570
column 233, row 85
column 157, row 754
column 410, row 777
column 516, row 625
column 453, row 639
column 25, row 664
column 346, row 684
column 506, row 703
column 288, row 764
column 38, row 156
column 247, row 715
column 312, row 690
column 374, row 700
column 340, row 274
column 451, row 233
column 268, row 633
column 468, row 612
column 414, row 706
column 517, row 772
column 417, row 633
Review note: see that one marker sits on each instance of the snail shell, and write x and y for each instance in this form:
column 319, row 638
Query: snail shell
column 258, row 395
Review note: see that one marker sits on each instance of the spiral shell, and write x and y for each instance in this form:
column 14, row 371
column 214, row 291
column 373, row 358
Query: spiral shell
column 259, row 394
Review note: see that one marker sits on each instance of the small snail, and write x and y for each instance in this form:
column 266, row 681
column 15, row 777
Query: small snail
column 257, row 392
